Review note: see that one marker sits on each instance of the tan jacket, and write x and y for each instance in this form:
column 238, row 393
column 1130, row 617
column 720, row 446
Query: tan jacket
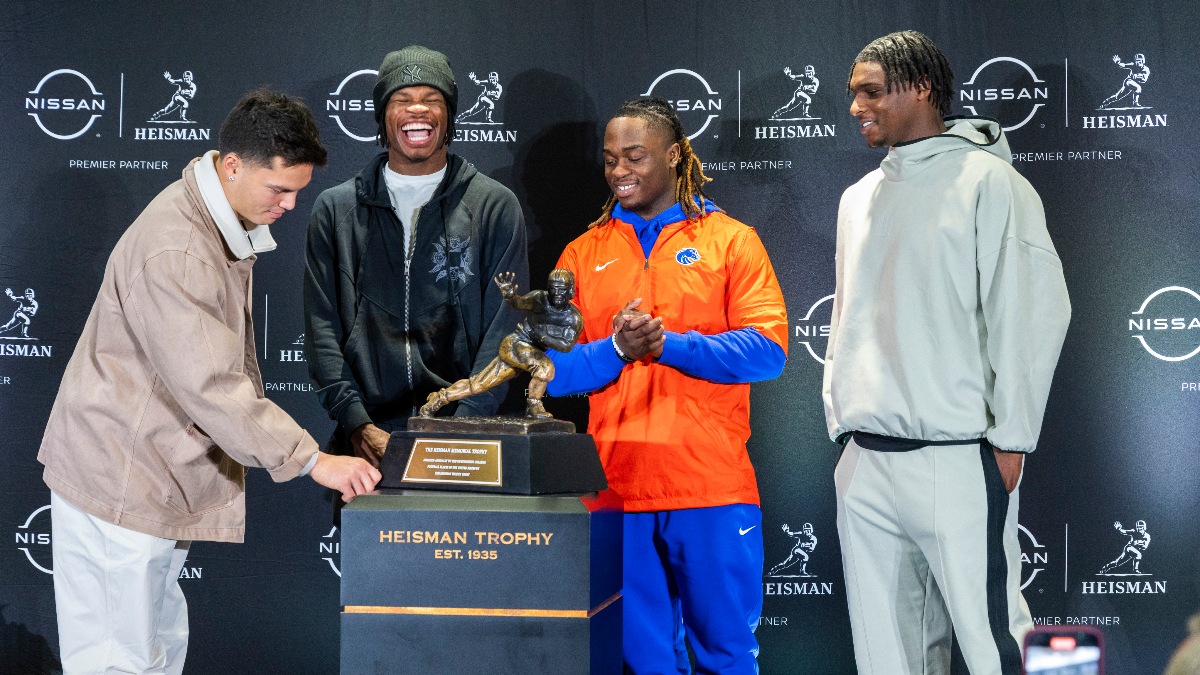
column 161, row 406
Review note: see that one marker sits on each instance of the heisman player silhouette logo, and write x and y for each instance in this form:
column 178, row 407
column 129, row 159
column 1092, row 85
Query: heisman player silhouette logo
column 806, row 543
column 1130, row 561
column 22, row 316
column 185, row 91
column 1130, row 93
column 485, row 103
column 801, row 98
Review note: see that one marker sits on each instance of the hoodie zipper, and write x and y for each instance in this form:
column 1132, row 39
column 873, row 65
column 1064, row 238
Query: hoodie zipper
column 659, row 242
column 408, row 256
column 646, row 282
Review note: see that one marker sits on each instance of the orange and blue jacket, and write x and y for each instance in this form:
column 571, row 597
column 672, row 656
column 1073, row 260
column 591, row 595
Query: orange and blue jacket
column 672, row 431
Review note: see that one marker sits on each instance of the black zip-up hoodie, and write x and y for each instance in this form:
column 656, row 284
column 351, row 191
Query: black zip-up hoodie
column 380, row 334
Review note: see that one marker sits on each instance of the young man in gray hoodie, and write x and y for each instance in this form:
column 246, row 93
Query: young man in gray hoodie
column 949, row 314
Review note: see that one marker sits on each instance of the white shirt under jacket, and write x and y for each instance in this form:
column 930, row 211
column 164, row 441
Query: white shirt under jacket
column 951, row 307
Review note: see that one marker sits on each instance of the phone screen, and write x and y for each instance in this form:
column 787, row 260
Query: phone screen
column 1063, row 652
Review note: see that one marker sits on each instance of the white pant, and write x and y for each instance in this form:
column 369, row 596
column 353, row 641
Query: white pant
column 120, row 608
column 929, row 545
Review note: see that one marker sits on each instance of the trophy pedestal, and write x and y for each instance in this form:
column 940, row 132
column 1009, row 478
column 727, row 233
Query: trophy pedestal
column 505, row 455
column 441, row 582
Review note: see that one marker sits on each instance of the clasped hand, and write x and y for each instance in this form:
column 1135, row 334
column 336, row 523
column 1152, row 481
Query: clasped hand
column 637, row 333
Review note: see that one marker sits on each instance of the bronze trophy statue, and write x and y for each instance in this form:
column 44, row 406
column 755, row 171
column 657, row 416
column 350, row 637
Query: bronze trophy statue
column 519, row 492
column 526, row 455
column 551, row 322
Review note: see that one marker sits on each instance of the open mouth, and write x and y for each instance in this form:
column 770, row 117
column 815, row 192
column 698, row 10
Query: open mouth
column 622, row 190
column 417, row 132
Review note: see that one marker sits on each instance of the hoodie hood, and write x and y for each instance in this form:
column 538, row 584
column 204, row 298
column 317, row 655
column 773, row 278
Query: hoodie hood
column 371, row 190
column 963, row 134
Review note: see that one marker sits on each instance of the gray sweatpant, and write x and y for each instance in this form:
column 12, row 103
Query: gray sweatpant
column 929, row 545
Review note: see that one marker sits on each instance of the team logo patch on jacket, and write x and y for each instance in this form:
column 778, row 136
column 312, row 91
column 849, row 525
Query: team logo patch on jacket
column 687, row 256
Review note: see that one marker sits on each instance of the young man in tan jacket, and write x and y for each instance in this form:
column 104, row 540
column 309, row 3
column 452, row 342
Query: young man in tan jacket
column 161, row 407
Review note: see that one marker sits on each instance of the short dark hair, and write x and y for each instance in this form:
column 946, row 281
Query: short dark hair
column 266, row 124
column 907, row 58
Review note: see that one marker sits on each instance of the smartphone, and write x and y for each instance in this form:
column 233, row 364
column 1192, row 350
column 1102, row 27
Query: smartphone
column 1064, row 650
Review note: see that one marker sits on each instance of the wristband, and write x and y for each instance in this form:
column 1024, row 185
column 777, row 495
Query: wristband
column 620, row 354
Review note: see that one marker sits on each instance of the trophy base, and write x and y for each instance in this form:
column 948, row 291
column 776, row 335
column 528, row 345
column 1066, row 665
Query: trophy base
column 450, row 583
column 520, row 426
column 515, row 456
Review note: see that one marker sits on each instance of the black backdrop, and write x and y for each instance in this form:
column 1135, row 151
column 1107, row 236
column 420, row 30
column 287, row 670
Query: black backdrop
column 1119, row 186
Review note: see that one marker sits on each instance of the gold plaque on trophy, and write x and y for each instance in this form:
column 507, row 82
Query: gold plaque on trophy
column 454, row 461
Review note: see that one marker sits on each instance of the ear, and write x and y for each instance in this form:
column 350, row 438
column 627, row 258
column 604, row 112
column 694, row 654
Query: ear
column 924, row 89
column 673, row 154
column 231, row 163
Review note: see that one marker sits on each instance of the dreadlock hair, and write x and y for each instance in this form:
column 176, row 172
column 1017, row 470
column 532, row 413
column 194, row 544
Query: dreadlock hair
column 907, row 58
column 689, row 174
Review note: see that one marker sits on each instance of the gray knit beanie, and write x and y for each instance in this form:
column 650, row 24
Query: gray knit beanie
column 412, row 66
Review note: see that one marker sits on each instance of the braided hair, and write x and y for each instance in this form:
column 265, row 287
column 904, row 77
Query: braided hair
column 907, row 58
column 689, row 174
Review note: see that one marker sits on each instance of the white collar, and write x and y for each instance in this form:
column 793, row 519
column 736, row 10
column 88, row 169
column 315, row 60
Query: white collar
column 244, row 243
column 395, row 179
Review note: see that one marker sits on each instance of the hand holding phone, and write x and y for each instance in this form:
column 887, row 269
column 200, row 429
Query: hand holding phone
column 1064, row 650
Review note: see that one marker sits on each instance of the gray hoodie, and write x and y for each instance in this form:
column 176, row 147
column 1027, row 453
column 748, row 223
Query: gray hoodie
column 951, row 307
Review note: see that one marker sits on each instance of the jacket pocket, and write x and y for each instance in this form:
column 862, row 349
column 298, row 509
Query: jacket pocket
column 203, row 478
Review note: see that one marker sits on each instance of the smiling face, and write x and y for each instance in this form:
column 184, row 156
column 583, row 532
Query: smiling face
column 416, row 120
column 639, row 165
column 261, row 194
column 887, row 118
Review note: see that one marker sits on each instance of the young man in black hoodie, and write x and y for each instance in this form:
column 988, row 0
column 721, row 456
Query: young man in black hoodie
column 398, row 295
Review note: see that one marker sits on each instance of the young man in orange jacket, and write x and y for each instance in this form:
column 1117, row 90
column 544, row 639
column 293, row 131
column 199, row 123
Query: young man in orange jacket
column 681, row 312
